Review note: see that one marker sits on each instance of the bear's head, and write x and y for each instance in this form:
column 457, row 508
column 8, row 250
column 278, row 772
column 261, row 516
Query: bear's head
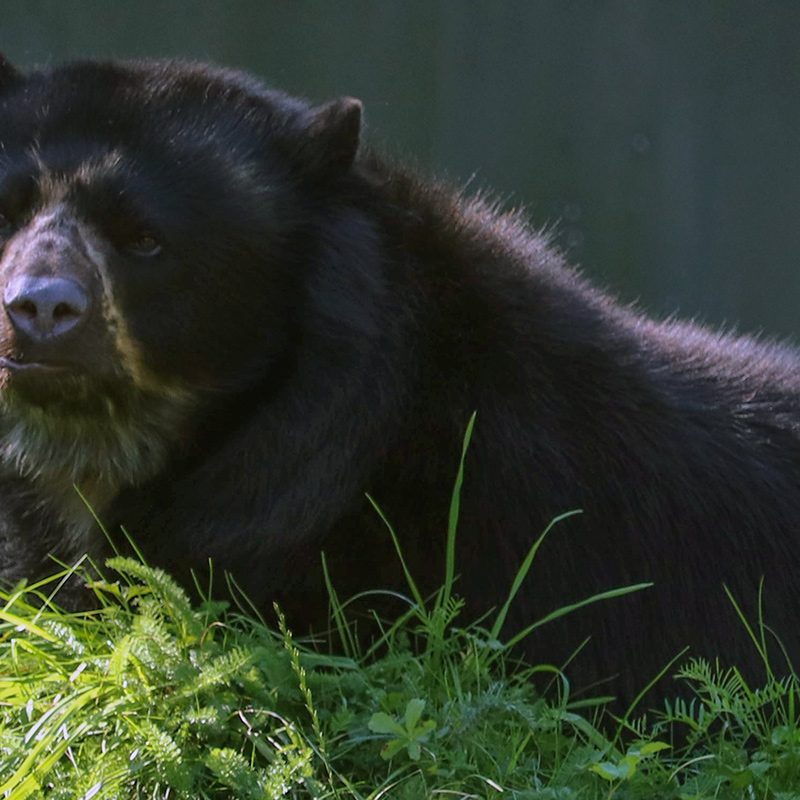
column 154, row 224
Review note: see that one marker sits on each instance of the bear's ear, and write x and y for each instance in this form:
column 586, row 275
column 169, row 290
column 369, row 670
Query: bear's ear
column 8, row 73
column 331, row 138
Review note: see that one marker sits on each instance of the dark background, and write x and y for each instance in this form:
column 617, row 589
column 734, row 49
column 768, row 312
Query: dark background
column 658, row 138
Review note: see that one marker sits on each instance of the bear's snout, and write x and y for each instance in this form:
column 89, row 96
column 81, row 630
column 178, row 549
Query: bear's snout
column 45, row 308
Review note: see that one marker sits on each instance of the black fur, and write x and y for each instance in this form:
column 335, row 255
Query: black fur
column 315, row 324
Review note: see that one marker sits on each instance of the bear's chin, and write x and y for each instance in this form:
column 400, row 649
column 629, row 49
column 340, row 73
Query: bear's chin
column 71, row 427
column 56, row 388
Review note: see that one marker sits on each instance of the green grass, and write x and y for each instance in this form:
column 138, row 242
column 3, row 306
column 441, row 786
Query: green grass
column 150, row 697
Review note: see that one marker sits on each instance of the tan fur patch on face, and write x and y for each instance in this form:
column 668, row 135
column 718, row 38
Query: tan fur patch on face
column 51, row 189
column 126, row 346
column 101, row 166
column 129, row 350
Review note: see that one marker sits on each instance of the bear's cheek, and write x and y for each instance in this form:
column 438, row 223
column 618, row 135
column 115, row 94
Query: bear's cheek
column 197, row 331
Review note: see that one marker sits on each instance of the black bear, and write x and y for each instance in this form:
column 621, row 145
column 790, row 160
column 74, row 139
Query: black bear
column 226, row 322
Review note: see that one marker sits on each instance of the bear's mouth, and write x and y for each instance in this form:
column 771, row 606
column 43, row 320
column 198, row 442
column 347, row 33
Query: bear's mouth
column 44, row 383
column 33, row 367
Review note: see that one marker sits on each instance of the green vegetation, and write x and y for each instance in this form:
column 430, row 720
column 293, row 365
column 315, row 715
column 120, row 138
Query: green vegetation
column 150, row 697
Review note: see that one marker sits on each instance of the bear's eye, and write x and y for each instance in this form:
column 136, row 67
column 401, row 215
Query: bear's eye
column 144, row 244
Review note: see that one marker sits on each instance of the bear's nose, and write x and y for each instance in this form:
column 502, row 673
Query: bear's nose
column 45, row 308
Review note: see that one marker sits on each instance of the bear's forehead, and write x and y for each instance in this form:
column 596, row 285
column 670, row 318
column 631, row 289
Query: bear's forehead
column 93, row 124
column 114, row 104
